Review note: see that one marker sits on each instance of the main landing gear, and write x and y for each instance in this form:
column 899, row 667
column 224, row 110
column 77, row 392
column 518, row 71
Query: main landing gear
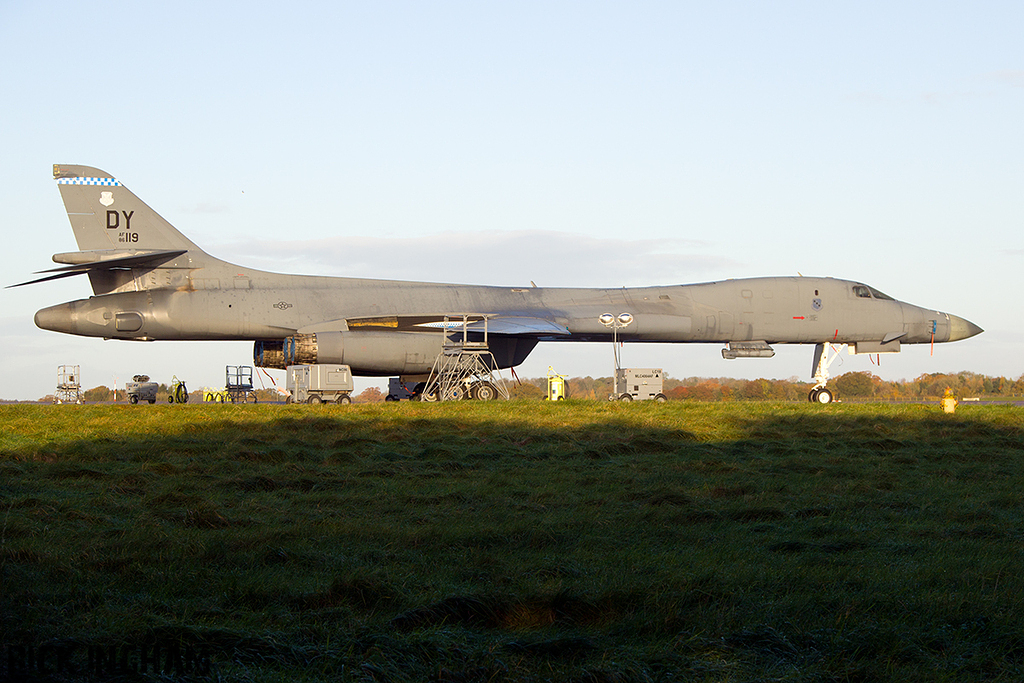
column 822, row 360
column 820, row 395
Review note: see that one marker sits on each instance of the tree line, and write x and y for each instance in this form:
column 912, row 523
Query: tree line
column 854, row 385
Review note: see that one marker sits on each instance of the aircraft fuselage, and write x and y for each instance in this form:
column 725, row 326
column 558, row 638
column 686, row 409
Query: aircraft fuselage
column 263, row 305
column 152, row 283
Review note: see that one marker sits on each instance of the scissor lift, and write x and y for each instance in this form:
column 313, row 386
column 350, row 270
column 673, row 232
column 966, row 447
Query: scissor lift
column 464, row 369
column 238, row 383
column 69, row 385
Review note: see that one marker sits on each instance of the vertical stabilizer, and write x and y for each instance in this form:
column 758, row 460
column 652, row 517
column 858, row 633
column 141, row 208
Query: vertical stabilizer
column 106, row 215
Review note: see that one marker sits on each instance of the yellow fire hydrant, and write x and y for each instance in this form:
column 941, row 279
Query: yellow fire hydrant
column 948, row 402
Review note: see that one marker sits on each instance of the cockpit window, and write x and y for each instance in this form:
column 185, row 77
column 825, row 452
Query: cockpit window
column 878, row 295
column 865, row 292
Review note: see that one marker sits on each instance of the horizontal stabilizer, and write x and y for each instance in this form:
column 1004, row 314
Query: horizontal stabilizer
column 86, row 261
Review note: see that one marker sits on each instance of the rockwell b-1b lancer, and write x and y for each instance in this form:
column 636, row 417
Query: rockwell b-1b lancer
column 150, row 282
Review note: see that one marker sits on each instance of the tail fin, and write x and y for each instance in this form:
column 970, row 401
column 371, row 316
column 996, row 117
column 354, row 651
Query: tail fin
column 106, row 215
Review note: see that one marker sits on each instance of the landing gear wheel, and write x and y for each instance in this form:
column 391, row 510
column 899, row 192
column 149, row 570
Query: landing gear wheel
column 484, row 391
column 455, row 393
column 821, row 395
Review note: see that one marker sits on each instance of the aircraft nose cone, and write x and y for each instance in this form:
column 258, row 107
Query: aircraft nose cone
column 59, row 318
column 962, row 329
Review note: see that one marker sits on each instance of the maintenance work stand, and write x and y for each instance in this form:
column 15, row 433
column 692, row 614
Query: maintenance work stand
column 69, row 385
column 238, row 384
column 464, row 369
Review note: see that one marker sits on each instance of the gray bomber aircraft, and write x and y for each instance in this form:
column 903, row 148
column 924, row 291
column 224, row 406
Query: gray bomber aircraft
column 151, row 282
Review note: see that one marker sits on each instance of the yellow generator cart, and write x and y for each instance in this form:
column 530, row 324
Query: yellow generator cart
column 558, row 388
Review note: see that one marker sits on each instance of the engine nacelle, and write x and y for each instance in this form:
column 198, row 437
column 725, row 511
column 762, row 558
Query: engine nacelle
column 379, row 353
column 373, row 353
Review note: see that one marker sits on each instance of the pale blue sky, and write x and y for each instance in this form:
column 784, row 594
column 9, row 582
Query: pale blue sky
column 574, row 143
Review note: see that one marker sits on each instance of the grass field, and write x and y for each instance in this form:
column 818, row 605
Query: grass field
column 521, row 541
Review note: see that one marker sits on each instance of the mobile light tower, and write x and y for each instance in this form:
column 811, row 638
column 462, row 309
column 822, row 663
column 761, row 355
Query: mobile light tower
column 609, row 320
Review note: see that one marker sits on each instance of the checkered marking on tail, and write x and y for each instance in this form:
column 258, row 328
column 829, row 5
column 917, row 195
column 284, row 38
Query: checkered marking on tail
column 88, row 181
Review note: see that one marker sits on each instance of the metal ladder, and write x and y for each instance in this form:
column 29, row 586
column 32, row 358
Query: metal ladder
column 464, row 369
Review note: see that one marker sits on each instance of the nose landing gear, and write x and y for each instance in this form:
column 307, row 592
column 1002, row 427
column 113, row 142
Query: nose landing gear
column 822, row 360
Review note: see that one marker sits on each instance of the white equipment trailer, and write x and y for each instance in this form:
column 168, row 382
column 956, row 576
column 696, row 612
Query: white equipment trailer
column 316, row 384
column 640, row 384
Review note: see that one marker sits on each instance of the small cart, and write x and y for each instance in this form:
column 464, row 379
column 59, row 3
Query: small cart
column 558, row 388
column 140, row 389
column 238, row 384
